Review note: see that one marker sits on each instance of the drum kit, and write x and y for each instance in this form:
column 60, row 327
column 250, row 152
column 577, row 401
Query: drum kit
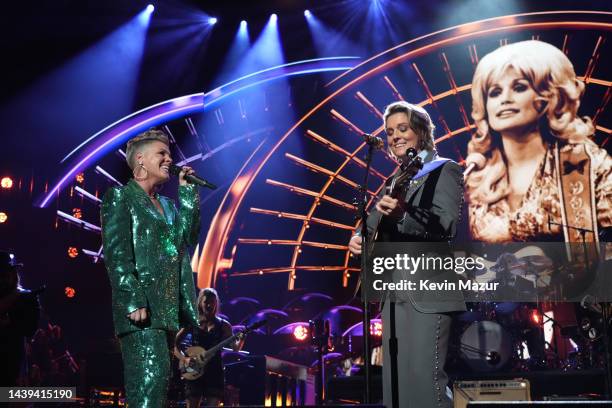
column 504, row 335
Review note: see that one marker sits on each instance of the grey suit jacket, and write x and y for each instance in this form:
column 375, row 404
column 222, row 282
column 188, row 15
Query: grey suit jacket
column 433, row 208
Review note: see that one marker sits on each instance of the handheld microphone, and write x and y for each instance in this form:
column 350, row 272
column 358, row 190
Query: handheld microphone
column 475, row 161
column 374, row 141
column 191, row 178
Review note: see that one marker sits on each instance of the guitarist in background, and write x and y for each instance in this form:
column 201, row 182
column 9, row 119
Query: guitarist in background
column 211, row 331
column 428, row 212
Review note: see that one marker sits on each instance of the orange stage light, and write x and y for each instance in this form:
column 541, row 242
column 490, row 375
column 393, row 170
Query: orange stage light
column 535, row 317
column 76, row 213
column 70, row 292
column 73, row 252
column 6, row 183
column 80, row 178
column 300, row 332
column 3, row 217
column 376, row 329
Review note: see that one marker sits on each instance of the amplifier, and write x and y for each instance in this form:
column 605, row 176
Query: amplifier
column 499, row 390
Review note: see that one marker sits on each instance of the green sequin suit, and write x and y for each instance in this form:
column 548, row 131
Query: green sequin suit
column 148, row 266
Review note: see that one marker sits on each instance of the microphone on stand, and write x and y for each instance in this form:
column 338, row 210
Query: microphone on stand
column 413, row 157
column 192, row 178
column 411, row 153
column 372, row 140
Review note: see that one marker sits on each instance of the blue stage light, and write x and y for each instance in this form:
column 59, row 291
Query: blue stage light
column 150, row 8
column 212, row 20
column 307, row 13
column 243, row 24
column 273, row 18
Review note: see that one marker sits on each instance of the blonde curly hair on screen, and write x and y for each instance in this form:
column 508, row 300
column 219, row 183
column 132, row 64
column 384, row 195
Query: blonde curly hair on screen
column 420, row 123
column 551, row 74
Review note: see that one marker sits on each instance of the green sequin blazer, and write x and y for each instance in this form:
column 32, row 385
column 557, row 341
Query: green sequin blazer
column 146, row 256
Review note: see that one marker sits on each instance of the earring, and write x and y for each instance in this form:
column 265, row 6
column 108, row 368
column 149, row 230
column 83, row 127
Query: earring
column 136, row 170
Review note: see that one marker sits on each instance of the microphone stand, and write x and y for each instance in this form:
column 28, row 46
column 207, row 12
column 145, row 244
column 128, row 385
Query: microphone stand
column 364, row 276
column 605, row 316
column 583, row 232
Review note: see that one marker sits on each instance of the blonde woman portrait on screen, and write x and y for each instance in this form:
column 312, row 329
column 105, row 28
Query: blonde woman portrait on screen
column 535, row 158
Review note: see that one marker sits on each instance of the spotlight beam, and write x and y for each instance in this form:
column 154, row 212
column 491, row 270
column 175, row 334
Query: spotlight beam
column 166, row 110
column 109, row 137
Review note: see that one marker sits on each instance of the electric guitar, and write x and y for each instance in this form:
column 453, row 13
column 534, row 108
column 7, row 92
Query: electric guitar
column 199, row 357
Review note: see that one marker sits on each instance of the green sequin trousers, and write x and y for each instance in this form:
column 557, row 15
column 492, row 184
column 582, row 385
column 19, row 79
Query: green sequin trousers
column 146, row 368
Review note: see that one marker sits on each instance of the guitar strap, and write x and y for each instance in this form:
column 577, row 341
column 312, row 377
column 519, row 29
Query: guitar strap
column 577, row 194
column 430, row 166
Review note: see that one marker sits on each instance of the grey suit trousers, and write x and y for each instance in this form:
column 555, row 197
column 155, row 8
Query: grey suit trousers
column 422, row 347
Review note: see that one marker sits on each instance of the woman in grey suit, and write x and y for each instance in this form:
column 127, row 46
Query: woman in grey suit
column 429, row 212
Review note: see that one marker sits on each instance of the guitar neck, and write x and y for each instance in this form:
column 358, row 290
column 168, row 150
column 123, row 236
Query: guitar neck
column 222, row 344
column 395, row 193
